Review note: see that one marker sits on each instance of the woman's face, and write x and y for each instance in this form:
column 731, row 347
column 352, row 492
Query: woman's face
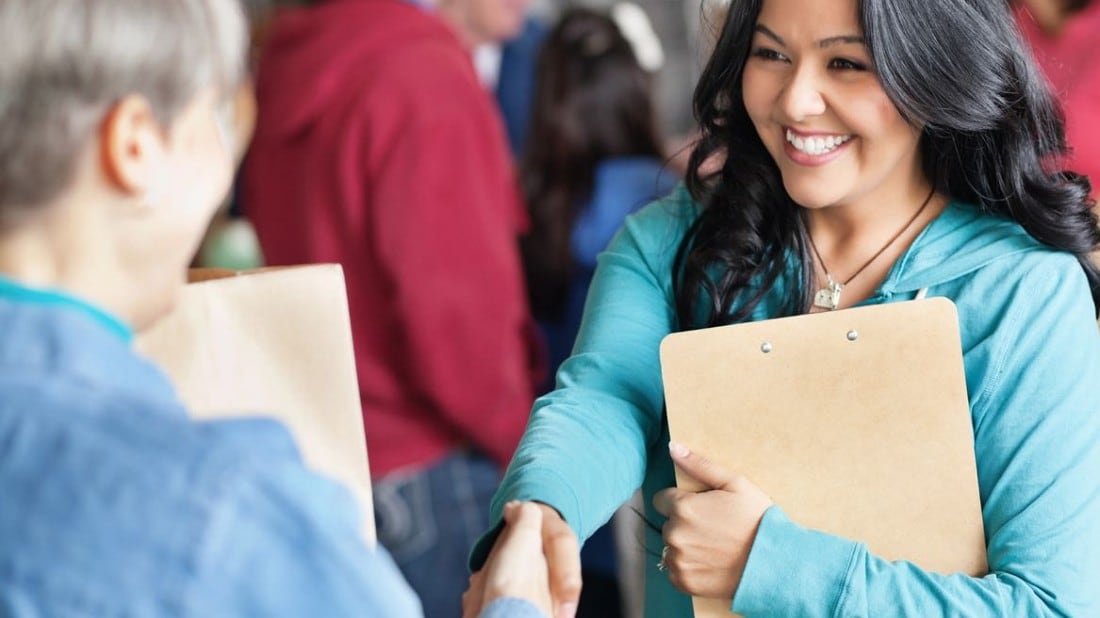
column 192, row 177
column 812, row 94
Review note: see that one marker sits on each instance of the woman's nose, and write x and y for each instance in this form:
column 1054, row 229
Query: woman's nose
column 801, row 98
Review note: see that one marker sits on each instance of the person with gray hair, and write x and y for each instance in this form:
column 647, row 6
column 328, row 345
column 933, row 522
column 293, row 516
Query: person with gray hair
column 115, row 150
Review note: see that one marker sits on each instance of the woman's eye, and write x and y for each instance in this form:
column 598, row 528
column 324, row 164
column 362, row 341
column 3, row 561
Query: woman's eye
column 843, row 64
column 768, row 54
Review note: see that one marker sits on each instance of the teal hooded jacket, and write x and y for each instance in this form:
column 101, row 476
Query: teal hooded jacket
column 1031, row 350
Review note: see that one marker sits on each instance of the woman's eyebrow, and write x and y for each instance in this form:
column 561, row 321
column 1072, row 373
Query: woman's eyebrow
column 841, row 40
column 827, row 42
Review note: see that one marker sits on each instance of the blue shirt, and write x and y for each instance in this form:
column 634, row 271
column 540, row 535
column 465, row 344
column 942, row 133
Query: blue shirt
column 1031, row 351
column 113, row 502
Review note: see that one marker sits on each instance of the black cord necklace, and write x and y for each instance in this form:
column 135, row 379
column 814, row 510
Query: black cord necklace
column 828, row 297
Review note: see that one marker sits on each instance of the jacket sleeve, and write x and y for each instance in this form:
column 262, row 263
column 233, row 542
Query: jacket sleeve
column 288, row 543
column 511, row 608
column 586, row 447
column 446, row 226
column 1037, row 443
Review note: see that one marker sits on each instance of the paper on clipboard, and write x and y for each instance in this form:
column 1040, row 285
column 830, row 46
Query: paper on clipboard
column 855, row 422
column 274, row 342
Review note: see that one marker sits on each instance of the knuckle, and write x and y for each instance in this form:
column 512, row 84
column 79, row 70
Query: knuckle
column 564, row 540
column 570, row 586
column 677, row 506
column 674, row 538
column 686, row 581
column 685, row 509
column 676, row 560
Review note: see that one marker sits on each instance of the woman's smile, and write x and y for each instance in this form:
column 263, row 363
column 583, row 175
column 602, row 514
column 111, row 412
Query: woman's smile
column 814, row 149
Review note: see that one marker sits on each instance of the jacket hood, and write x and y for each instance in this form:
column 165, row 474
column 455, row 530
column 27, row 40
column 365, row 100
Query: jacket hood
column 315, row 55
column 959, row 241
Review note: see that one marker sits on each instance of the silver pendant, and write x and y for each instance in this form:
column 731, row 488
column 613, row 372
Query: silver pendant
column 828, row 297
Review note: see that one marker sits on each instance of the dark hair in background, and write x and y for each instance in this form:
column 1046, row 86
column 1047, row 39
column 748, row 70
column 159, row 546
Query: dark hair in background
column 991, row 131
column 592, row 102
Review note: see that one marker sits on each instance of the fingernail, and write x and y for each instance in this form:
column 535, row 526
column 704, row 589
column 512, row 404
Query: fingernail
column 567, row 610
column 678, row 450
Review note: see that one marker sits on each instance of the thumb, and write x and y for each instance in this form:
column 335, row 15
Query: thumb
column 700, row 468
column 525, row 520
column 518, row 569
column 563, row 557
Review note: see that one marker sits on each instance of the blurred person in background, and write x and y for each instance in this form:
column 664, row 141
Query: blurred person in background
column 1064, row 36
column 509, row 71
column 377, row 148
column 594, row 156
column 113, row 157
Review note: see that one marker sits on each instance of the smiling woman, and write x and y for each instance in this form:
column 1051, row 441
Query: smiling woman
column 911, row 114
column 813, row 99
column 873, row 151
column 837, row 140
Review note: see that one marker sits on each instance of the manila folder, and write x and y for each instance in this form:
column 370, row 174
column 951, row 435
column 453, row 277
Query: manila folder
column 855, row 422
column 276, row 343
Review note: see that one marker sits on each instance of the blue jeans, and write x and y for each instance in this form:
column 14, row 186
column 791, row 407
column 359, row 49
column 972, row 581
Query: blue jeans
column 430, row 520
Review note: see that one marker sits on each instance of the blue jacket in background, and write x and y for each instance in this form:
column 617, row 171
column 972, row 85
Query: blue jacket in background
column 515, row 90
column 114, row 503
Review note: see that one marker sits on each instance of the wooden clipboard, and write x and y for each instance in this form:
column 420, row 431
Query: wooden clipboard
column 273, row 342
column 855, row 422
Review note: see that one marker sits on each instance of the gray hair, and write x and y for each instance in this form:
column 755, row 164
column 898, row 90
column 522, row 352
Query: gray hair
column 66, row 62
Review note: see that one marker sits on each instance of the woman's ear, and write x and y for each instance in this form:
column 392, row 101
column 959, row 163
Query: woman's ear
column 132, row 143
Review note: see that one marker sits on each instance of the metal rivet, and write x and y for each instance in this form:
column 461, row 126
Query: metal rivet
column 766, row 347
column 852, row 335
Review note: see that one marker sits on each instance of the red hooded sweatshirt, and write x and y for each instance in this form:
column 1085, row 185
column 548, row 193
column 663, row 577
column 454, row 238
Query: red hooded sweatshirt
column 377, row 148
column 1071, row 62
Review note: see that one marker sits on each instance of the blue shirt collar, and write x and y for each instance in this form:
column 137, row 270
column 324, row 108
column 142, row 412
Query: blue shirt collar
column 18, row 292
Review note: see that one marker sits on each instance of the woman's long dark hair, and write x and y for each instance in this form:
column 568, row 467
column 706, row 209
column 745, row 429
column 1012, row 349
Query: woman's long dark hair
column 991, row 132
column 592, row 102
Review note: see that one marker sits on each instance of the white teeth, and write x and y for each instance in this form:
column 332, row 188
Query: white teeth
column 816, row 146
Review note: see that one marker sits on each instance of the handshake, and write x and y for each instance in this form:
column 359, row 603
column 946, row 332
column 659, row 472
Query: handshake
column 517, row 565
